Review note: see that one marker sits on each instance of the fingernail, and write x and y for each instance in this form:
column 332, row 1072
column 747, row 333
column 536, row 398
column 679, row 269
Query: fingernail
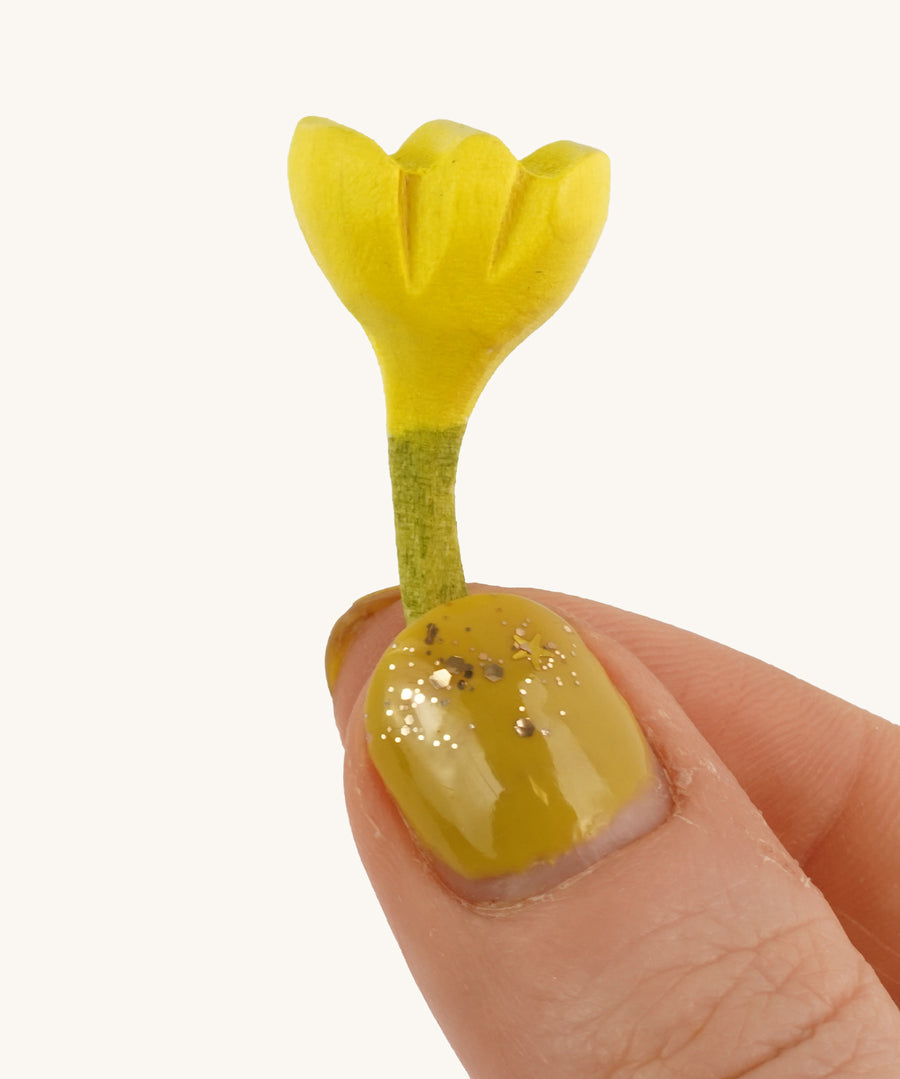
column 347, row 628
column 503, row 741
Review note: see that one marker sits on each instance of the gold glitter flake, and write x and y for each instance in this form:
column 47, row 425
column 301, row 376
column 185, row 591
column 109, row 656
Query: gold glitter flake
column 524, row 727
column 441, row 679
column 493, row 672
column 532, row 650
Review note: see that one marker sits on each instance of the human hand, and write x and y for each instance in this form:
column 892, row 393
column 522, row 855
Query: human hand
column 712, row 944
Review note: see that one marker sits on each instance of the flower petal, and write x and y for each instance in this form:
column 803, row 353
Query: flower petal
column 560, row 211
column 457, row 185
column 345, row 193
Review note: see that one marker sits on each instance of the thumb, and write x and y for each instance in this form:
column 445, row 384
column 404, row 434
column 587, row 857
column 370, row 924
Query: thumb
column 578, row 884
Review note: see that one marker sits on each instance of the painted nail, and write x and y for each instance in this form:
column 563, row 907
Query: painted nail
column 503, row 741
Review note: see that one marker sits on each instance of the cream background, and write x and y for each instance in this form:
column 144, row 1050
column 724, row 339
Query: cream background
column 194, row 480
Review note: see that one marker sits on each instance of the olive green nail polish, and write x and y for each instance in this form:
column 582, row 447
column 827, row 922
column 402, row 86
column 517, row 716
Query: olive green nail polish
column 500, row 736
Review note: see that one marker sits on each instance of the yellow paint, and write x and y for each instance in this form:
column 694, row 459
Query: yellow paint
column 479, row 795
column 449, row 252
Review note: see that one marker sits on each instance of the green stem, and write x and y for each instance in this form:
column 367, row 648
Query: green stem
column 423, row 476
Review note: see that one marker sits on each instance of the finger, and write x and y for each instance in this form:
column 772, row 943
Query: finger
column 698, row 944
column 823, row 772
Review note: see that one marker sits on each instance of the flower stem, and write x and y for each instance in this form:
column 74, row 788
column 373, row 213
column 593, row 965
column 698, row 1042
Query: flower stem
column 423, row 477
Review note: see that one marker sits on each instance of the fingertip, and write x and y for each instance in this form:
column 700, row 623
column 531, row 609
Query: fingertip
column 347, row 628
column 355, row 643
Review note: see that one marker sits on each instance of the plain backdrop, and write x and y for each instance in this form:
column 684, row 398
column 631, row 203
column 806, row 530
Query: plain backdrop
column 194, row 480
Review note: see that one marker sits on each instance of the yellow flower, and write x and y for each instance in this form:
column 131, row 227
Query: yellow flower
column 449, row 253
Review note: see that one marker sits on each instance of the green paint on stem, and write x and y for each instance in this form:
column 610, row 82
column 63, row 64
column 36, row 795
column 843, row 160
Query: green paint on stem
column 423, row 476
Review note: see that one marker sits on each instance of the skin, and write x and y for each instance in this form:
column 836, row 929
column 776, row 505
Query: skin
column 756, row 932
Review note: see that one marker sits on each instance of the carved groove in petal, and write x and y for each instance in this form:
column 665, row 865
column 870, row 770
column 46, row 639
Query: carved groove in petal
column 404, row 215
column 511, row 217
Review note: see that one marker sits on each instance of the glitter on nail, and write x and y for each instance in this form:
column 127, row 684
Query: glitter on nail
column 441, row 678
column 406, row 694
column 436, row 742
column 533, row 650
column 493, row 672
column 524, row 727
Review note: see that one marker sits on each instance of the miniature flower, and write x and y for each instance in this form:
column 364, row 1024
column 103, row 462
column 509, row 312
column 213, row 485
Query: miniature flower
column 449, row 253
